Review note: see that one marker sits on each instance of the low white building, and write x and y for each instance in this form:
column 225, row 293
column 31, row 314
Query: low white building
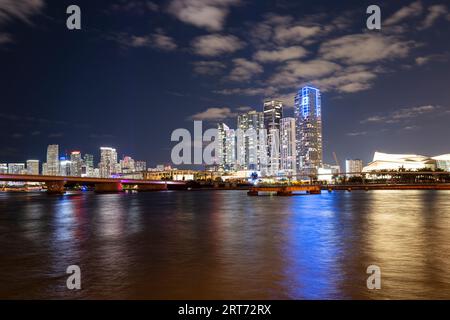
column 393, row 162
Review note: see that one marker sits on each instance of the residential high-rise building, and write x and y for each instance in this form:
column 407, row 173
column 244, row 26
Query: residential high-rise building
column 273, row 112
column 308, row 117
column 33, row 167
column 108, row 162
column 3, row 168
column 88, row 160
column 127, row 165
column 16, row 168
column 65, row 167
column 250, row 127
column 353, row 167
column 226, row 149
column 140, row 165
column 273, row 145
column 52, row 160
column 76, row 163
column 44, row 169
column 288, row 153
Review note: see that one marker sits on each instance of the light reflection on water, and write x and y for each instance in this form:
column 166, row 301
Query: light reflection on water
column 226, row 245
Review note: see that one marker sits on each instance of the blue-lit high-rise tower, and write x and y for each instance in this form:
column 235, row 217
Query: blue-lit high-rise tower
column 308, row 117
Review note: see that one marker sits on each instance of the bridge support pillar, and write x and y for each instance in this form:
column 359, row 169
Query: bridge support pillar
column 55, row 187
column 152, row 187
column 252, row 193
column 108, row 187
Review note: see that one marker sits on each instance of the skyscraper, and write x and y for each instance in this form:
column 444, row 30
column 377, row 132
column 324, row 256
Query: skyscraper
column 33, row 167
column 288, row 154
column 250, row 130
column 108, row 162
column 52, row 160
column 75, row 163
column 65, row 167
column 226, row 150
column 308, row 116
column 273, row 112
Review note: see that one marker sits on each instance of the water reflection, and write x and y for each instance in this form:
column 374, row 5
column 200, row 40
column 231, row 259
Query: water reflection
column 226, row 245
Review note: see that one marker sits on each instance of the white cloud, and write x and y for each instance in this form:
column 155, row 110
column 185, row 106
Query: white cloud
column 5, row 38
column 404, row 114
column 208, row 67
column 209, row 14
column 19, row 9
column 294, row 34
column 283, row 54
column 244, row 70
column 413, row 10
column 293, row 72
column 365, row 48
column 214, row 114
column 434, row 12
column 247, row 91
column 163, row 41
column 215, row 44
column 158, row 40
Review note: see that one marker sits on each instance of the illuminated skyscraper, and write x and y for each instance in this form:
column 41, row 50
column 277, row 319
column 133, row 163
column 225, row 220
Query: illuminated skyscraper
column 108, row 162
column 226, row 150
column 76, row 163
column 288, row 154
column 33, row 167
column 65, row 167
column 308, row 118
column 273, row 112
column 52, row 160
column 250, row 127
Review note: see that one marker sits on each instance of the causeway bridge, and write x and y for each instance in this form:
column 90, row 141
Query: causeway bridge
column 56, row 184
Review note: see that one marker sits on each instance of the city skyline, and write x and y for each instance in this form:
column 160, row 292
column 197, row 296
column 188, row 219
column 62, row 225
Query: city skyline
column 130, row 84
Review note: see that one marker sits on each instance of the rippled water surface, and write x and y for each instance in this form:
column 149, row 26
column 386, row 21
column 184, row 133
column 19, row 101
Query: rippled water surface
column 226, row 245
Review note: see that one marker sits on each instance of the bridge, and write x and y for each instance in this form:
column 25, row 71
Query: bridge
column 285, row 190
column 55, row 184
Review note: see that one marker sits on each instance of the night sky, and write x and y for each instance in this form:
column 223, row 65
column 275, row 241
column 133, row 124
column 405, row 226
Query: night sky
column 137, row 70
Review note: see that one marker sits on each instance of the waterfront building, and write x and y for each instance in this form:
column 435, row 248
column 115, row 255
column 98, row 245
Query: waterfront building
column 140, row 165
column 127, row 165
column 250, row 131
column 394, row 162
column 353, row 167
column 273, row 140
column 443, row 162
column 52, row 160
column 88, row 160
column 108, row 162
column 76, row 163
column 16, row 168
column 33, row 167
column 226, row 149
column 273, row 113
column 44, row 169
column 288, row 153
column 65, row 167
column 3, row 168
column 308, row 117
